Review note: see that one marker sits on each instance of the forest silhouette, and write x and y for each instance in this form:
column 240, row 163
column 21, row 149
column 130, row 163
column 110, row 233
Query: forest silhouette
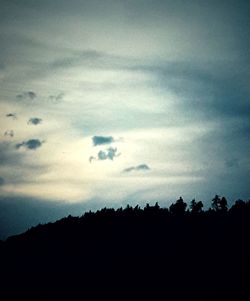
column 134, row 253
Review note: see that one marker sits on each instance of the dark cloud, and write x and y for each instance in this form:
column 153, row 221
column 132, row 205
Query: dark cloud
column 2, row 181
column 108, row 154
column 141, row 167
column 56, row 98
column 31, row 94
column 35, row 121
column 9, row 133
column 91, row 158
column 102, row 155
column 129, row 169
column 11, row 115
column 100, row 140
column 32, row 144
column 26, row 95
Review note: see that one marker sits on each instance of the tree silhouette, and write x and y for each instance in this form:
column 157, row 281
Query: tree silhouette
column 223, row 204
column 179, row 207
column 239, row 206
column 196, row 207
column 219, row 204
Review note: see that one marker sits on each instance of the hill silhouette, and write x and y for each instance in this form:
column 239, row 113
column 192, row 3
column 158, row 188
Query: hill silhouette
column 133, row 253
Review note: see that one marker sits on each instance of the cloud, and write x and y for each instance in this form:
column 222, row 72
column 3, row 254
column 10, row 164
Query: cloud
column 102, row 155
column 32, row 144
column 91, row 158
column 9, row 133
column 141, row 167
column 35, row 121
column 56, row 98
column 27, row 95
column 100, row 140
column 108, row 154
column 11, row 115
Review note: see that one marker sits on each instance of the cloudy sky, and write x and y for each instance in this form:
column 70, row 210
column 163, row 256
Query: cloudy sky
column 109, row 102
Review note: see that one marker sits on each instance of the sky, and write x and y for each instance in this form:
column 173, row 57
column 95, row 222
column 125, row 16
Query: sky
column 105, row 103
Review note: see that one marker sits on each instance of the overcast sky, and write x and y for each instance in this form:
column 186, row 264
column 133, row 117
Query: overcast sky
column 117, row 101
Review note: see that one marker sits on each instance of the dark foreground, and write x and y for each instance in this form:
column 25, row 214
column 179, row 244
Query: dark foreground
column 133, row 254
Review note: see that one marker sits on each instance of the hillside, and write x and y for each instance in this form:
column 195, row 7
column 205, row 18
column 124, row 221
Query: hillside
column 133, row 253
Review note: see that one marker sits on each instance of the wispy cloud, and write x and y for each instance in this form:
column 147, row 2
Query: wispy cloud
column 141, row 167
column 31, row 144
column 100, row 140
column 11, row 115
column 91, row 158
column 35, row 121
column 9, row 133
column 27, row 95
column 56, row 98
column 86, row 57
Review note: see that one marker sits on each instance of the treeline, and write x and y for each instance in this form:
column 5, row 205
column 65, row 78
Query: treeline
column 219, row 207
column 177, row 252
